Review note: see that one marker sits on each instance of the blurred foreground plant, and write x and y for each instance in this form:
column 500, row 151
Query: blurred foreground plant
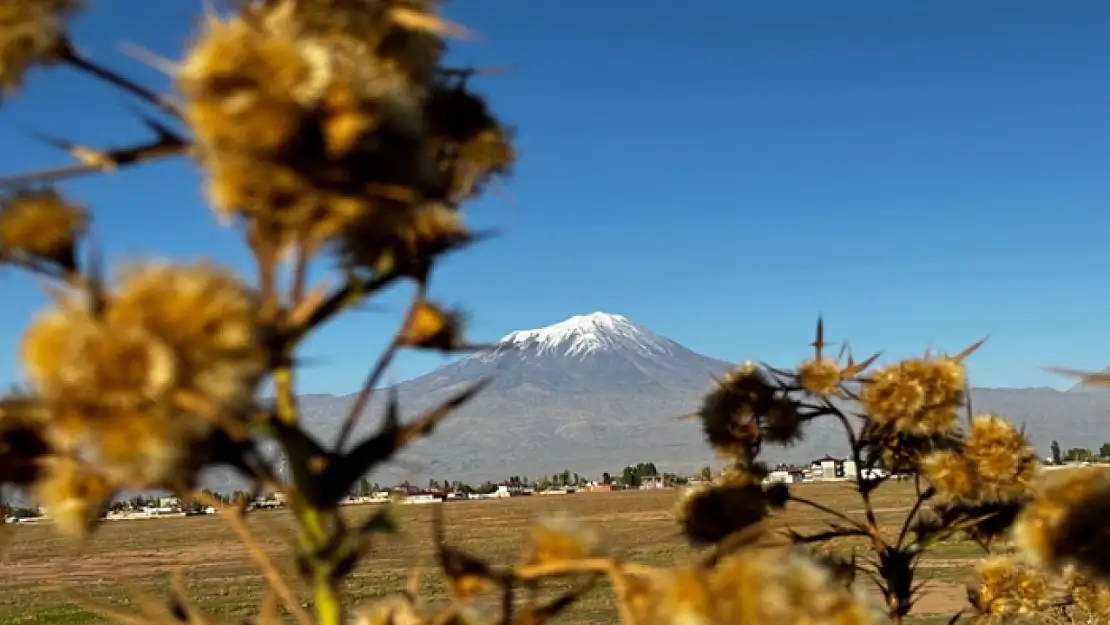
column 331, row 131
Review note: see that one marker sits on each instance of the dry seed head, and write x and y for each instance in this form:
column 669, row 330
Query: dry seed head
column 769, row 587
column 42, row 225
column 1002, row 458
column 995, row 465
column 31, row 31
column 916, row 396
column 1094, row 599
column 1007, row 587
column 559, row 538
column 246, row 89
column 1037, row 530
column 431, row 327
column 951, row 475
column 819, row 376
column 392, row 235
column 72, row 496
column 208, row 317
column 729, row 411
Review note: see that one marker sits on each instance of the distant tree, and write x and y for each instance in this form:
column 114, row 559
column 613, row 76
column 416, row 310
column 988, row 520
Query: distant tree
column 1057, row 457
column 555, row 479
column 433, row 484
column 486, row 488
column 577, row 480
column 363, row 487
column 565, row 477
column 706, row 473
column 1104, row 451
column 1078, row 454
column 606, row 478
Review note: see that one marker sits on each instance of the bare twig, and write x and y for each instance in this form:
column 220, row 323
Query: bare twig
column 234, row 519
column 375, row 375
column 161, row 147
column 75, row 60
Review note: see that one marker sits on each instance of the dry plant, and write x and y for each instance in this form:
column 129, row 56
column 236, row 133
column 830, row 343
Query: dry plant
column 331, row 131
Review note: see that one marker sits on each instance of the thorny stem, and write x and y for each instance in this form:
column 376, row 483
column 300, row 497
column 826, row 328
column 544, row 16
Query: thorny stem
column 311, row 521
column 918, row 502
column 375, row 375
column 69, row 55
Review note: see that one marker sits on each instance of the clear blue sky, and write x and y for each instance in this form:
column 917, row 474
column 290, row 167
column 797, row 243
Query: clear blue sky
column 922, row 173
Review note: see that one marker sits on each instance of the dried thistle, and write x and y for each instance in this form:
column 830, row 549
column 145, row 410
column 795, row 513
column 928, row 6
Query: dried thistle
column 31, row 32
column 995, row 463
column 72, row 495
column 1063, row 524
column 41, row 226
column 174, row 352
column 820, row 376
column 919, row 396
column 1008, row 587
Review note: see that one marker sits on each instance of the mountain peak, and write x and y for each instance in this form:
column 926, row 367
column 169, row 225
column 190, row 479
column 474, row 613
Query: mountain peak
column 582, row 335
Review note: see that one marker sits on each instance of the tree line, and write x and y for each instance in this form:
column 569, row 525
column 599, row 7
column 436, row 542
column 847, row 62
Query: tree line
column 1079, row 454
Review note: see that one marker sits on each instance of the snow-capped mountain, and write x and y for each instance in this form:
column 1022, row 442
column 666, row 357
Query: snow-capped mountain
column 597, row 392
column 583, row 335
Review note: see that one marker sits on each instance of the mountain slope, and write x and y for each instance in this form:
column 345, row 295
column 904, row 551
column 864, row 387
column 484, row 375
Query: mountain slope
column 592, row 393
column 597, row 392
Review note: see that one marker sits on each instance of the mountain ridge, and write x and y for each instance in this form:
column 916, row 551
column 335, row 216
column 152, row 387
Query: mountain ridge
column 597, row 392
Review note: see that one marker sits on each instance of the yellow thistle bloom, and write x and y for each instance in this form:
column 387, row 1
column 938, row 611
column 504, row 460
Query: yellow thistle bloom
column 73, row 497
column 1038, row 530
column 819, row 376
column 1008, row 587
column 41, row 225
column 30, row 32
column 917, row 396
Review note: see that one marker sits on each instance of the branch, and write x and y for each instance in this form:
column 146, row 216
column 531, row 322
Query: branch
column 922, row 497
column 74, row 59
column 343, row 471
column 97, row 162
column 375, row 375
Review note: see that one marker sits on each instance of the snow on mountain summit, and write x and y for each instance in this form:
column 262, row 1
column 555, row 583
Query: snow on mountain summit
column 582, row 335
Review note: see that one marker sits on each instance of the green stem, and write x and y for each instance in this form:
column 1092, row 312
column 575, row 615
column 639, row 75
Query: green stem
column 312, row 522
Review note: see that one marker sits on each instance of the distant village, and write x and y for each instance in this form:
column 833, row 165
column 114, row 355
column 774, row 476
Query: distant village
column 644, row 476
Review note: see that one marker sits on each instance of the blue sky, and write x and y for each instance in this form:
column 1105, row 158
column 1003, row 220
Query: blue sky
column 921, row 173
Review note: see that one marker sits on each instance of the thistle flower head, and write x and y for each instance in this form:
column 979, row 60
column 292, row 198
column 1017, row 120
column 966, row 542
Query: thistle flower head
column 917, row 396
column 73, row 496
column 820, row 376
column 170, row 352
column 41, row 225
column 1063, row 524
column 396, row 235
column 995, row 464
column 431, row 327
column 1092, row 598
column 208, row 317
column 1007, row 587
column 559, row 538
column 31, row 31
column 752, row 587
column 732, row 413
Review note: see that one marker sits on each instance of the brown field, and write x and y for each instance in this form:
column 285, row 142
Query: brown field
column 221, row 577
